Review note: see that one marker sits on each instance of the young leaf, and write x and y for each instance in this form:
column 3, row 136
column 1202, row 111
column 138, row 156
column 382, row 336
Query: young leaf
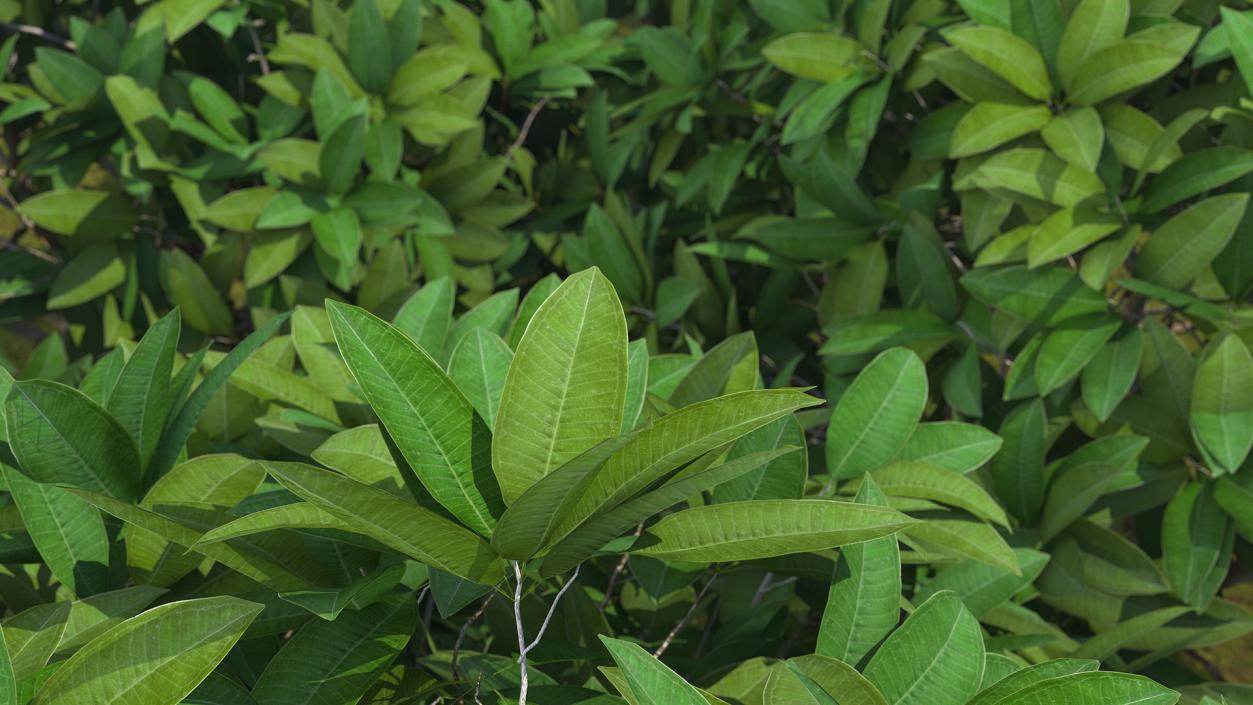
column 1009, row 56
column 432, row 422
column 1221, row 412
column 990, row 125
column 566, row 387
column 1122, row 67
column 1093, row 25
column 478, row 367
column 141, row 397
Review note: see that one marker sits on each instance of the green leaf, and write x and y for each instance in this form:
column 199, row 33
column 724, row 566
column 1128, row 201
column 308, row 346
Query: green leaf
column 1084, row 476
column 863, row 602
column 566, row 387
column 1183, row 247
column 334, row 662
column 478, row 367
column 1006, row 687
column 990, row 125
column 1046, row 296
column 1106, row 643
column 141, row 397
column 816, row 680
column 970, row 80
column 1107, row 379
column 877, row 413
column 738, row 531
column 342, row 152
column 427, row 315
column 1196, row 544
column 239, row 209
column 783, row 478
column 179, row 429
column 1239, row 29
column 67, row 531
column 934, row 658
column 728, row 367
column 92, row 273
column 1139, row 140
column 650, row 681
column 191, row 290
column 337, row 237
column 1068, row 348
column 1006, row 55
column 955, row 534
column 931, row 482
column 432, row 422
column 61, row 436
column 1124, row 66
column 1221, row 412
column 1017, row 471
column 369, row 46
column 135, row 669
column 1093, row 25
column 1093, row 687
column 1066, row 232
column 8, row 684
column 982, row 587
column 271, row 253
column 396, row 523
column 1197, row 172
column 1039, row 174
column 1076, row 136
column 83, row 214
column 822, row 57
column 957, row 447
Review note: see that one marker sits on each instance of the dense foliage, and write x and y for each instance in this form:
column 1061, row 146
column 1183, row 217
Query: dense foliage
column 875, row 352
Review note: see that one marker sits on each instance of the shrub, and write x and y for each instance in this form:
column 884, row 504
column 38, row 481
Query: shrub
column 759, row 352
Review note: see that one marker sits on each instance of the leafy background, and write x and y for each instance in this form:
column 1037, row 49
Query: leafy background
column 1008, row 243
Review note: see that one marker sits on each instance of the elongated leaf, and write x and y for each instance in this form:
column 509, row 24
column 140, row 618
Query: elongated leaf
column 651, row 682
column 958, row 447
column 61, row 436
column 8, row 684
column 1066, row 232
column 1046, row 296
column 1096, row 686
column 1076, row 136
column 133, row 668
column 863, row 602
column 1038, row 174
column 1123, row 66
column 674, row 440
column 1027, row 677
column 935, row 657
column 67, row 531
column 877, row 413
column 141, row 397
column 1068, row 348
column 1109, row 376
column 822, row 57
column 1006, row 55
column 566, row 388
column 1197, row 172
column 1094, row 25
column 427, row 316
column 989, row 125
column 179, row 429
column 816, row 680
column 1182, row 247
column 432, row 422
column 1221, row 412
column 478, row 366
column 925, row 481
column 332, row 663
column 1196, row 544
column 1017, row 471
column 982, row 587
column 396, row 523
column 958, row 535
column 763, row 528
column 1084, row 477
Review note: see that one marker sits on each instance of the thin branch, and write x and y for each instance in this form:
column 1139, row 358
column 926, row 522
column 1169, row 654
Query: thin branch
column 524, row 682
column 665, row 643
column 553, row 608
column 617, row 571
column 526, row 126
column 461, row 635
column 40, row 32
column 256, row 47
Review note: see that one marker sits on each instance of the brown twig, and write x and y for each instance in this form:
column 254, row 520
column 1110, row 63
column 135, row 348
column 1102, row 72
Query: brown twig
column 617, row 571
column 256, row 46
column 461, row 635
column 665, row 643
column 526, row 126
column 40, row 32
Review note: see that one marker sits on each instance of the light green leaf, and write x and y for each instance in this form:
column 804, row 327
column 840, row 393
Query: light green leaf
column 478, row 367
column 1093, row 25
column 1006, row 55
column 818, row 680
column 1039, row 174
column 141, row 397
column 427, row 315
column 990, row 125
column 738, row 531
column 8, row 684
column 133, row 668
column 954, row 446
column 1084, row 476
column 566, row 387
column 1123, row 66
column 877, row 413
column 1197, row 172
column 67, row 531
column 982, row 587
column 1221, row 412
column 925, row 481
column 1046, row 296
column 1106, row 380
column 934, row 658
column 85, row 214
column 954, row 534
column 1076, row 136
column 1239, row 30
column 432, row 422
column 399, row 524
column 1196, row 544
column 822, row 57
column 92, row 273
column 1068, row 348
column 1066, row 232
column 1006, row 687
